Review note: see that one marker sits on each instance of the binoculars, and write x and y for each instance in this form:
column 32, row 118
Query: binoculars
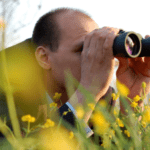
column 131, row 45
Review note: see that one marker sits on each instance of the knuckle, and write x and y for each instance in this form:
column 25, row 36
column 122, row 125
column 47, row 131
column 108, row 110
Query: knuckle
column 87, row 36
column 108, row 29
column 95, row 34
column 115, row 31
column 106, row 46
column 96, row 30
column 90, row 55
column 105, row 27
column 111, row 36
column 92, row 33
column 101, row 36
column 98, row 35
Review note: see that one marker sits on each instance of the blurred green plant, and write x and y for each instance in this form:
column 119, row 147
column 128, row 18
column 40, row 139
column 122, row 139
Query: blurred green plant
column 7, row 87
column 117, row 131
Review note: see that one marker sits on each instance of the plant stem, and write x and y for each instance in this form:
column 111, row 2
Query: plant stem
column 9, row 135
column 28, row 129
column 8, row 91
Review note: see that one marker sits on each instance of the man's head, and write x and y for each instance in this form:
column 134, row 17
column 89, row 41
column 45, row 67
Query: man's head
column 60, row 49
column 47, row 30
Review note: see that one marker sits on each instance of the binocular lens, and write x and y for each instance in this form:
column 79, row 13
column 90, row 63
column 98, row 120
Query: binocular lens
column 129, row 45
column 132, row 45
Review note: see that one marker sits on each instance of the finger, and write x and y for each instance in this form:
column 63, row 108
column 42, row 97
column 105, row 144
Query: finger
column 147, row 36
column 93, row 43
column 99, row 44
column 108, row 45
column 87, row 41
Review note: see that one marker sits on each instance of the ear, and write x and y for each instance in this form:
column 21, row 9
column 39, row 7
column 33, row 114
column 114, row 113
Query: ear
column 42, row 56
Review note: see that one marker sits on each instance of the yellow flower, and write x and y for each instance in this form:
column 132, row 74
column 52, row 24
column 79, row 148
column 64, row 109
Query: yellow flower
column 32, row 119
column 134, row 104
column 127, row 133
column 117, row 95
column 102, row 103
column 110, row 136
column 99, row 121
column 2, row 23
column 111, row 133
column 53, row 104
column 91, row 106
column 79, row 112
column 146, row 107
column 49, row 123
column 55, row 139
column 28, row 118
column 131, row 148
column 122, row 89
column 143, row 124
column 113, row 95
column 143, row 84
column 139, row 132
column 69, row 110
column 65, row 113
column 146, row 115
column 57, row 96
column 119, row 122
column 115, row 112
column 71, row 135
column 143, row 97
column 136, row 98
column 133, row 115
column 105, row 144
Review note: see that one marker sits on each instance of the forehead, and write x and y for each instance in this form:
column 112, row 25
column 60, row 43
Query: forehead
column 74, row 25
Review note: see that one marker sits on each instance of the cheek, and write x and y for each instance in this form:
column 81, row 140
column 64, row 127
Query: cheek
column 76, row 71
column 75, row 68
column 73, row 64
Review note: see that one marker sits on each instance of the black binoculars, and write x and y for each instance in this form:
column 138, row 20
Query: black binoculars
column 131, row 45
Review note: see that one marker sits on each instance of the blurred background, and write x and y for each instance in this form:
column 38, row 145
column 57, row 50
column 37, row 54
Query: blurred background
column 21, row 15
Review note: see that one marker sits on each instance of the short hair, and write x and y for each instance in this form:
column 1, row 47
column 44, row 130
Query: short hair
column 47, row 32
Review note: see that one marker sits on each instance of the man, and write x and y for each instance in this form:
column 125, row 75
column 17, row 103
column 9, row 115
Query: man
column 68, row 39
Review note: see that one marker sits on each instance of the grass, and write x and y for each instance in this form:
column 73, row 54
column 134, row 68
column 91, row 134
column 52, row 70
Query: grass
column 117, row 131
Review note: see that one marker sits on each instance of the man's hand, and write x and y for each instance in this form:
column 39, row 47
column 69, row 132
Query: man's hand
column 132, row 72
column 97, row 61
column 97, row 65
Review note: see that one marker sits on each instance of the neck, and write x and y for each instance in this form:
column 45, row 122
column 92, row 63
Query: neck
column 52, row 86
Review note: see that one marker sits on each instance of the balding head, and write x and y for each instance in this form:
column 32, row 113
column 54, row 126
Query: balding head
column 47, row 31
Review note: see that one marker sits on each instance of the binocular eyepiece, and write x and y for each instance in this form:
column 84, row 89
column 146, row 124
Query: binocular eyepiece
column 131, row 45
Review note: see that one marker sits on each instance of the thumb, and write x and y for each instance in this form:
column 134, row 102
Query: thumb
column 147, row 36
